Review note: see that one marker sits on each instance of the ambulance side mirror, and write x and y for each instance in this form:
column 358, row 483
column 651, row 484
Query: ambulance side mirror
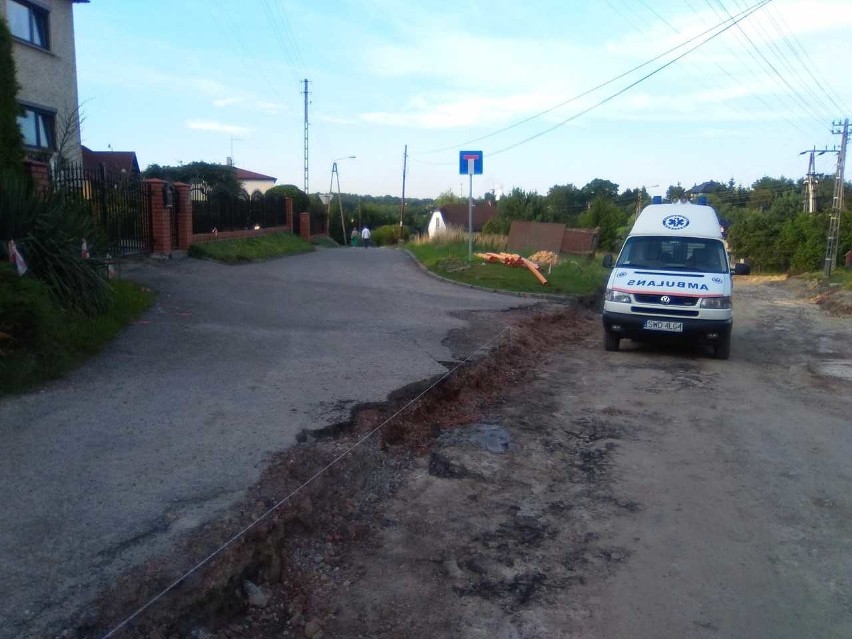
column 742, row 268
column 607, row 261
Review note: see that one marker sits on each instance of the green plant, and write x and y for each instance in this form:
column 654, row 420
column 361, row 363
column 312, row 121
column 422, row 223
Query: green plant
column 388, row 235
column 49, row 231
column 41, row 340
column 11, row 142
column 250, row 249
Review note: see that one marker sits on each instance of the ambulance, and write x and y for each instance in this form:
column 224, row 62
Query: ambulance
column 672, row 280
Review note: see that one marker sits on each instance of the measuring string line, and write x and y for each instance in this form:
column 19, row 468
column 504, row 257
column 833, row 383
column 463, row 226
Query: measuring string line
column 297, row 490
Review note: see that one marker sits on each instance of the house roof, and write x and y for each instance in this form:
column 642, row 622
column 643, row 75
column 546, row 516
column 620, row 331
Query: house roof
column 114, row 161
column 244, row 174
column 456, row 214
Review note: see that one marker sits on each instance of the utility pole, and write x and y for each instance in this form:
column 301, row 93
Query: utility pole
column 837, row 203
column 402, row 206
column 306, row 138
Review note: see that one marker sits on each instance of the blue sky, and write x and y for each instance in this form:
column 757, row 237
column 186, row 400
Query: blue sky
column 178, row 81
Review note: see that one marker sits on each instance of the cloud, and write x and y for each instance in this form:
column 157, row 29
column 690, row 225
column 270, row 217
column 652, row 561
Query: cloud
column 223, row 102
column 212, row 125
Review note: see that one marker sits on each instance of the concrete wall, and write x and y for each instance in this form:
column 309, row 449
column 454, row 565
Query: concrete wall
column 48, row 79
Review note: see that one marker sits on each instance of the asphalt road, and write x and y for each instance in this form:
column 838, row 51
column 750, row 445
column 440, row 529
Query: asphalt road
column 176, row 418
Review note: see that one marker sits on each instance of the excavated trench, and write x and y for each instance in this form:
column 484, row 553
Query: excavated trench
column 318, row 500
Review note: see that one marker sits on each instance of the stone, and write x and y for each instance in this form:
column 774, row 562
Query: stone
column 257, row 596
column 312, row 628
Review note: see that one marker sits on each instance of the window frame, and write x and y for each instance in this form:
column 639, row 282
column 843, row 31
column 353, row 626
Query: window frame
column 37, row 16
column 47, row 123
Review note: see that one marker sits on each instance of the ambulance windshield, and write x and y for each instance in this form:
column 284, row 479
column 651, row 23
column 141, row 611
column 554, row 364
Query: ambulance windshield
column 674, row 254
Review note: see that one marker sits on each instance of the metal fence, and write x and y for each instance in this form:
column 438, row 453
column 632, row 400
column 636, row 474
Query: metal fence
column 119, row 204
column 228, row 212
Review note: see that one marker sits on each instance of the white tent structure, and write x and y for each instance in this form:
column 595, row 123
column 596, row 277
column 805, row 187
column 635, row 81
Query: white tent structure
column 437, row 224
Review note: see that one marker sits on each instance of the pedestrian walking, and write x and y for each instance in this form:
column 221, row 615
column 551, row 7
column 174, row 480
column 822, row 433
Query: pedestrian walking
column 365, row 236
column 353, row 236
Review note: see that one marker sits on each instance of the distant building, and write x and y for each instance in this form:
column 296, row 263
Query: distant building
column 456, row 215
column 46, row 65
column 116, row 162
column 252, row 182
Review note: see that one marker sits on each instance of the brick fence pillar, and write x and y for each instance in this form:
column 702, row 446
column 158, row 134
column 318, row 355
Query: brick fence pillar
column 161, row 218
column 305, row 225
column 184, row 215
column 39, row 172
column 288, row 208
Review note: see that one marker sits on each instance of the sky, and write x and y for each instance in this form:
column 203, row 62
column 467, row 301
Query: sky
column 178, row 81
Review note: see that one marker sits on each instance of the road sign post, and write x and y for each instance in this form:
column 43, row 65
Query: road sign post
column 470, row 164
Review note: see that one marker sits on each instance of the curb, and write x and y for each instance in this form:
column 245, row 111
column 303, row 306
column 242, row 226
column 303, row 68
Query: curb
column 586, row 301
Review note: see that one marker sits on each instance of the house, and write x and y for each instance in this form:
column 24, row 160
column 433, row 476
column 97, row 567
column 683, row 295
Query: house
column 456, row 215
column 252, row 182
column 115, row 162
column 46, row 66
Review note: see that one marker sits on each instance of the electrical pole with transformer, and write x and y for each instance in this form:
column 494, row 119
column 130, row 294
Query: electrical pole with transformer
column 837, row 203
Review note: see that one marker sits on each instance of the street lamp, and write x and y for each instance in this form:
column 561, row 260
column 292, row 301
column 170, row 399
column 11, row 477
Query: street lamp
column 334, row 172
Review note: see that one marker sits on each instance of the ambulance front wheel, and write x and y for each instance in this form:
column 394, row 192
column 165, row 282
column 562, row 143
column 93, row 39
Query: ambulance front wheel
column 611, row 341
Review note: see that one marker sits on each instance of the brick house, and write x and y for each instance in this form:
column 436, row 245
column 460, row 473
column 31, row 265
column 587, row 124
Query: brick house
column 46, row 69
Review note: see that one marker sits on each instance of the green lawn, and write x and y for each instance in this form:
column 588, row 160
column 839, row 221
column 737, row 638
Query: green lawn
column 574, row 276
column 41, row 341
column 250, row 249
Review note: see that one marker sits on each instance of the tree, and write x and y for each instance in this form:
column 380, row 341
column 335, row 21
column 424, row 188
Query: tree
column 11, row 141
column 606, row 216
column 675, row 193
column 448, row 197
column 565, row 203
column 599, row 188
column 219, row 177
column 522, row 205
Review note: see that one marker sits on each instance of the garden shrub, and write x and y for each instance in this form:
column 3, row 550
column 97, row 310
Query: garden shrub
column 388, row 235
column 48, row 230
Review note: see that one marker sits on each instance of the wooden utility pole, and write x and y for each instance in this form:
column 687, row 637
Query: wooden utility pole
column 402, row 205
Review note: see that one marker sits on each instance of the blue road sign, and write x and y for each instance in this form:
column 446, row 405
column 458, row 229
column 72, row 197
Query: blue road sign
column 464, row 162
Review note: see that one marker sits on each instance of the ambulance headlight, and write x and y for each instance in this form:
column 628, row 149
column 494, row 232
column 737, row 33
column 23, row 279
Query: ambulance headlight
column 617, row 296
column 716, row 302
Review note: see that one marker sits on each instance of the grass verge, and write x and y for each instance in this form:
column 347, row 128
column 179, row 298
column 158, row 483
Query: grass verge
column 43, row 341
column 573, row 276
column 839, row 275
column 250, row 249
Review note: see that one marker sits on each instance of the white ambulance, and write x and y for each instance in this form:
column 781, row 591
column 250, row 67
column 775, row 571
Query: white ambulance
column 672, row 280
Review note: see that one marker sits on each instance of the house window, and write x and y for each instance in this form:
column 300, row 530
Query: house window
column 28, row 22
column 37, row 127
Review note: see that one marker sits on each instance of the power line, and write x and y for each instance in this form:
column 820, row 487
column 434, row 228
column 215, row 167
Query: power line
column 768, row 63
column 794, row 70
column 733, row 22
column 595, row 88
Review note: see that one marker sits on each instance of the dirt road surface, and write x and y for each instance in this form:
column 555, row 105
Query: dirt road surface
column 555, row 490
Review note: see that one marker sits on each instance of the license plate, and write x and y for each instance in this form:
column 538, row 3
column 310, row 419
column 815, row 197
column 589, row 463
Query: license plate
column 669, row 327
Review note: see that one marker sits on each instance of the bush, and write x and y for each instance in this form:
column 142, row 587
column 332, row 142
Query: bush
column 497, row 225
column 29, row 315
column 388, row 235
column 49, row 231
column 301, row 201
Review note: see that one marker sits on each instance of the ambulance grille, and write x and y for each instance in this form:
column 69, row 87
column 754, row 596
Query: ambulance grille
column 674, row 300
